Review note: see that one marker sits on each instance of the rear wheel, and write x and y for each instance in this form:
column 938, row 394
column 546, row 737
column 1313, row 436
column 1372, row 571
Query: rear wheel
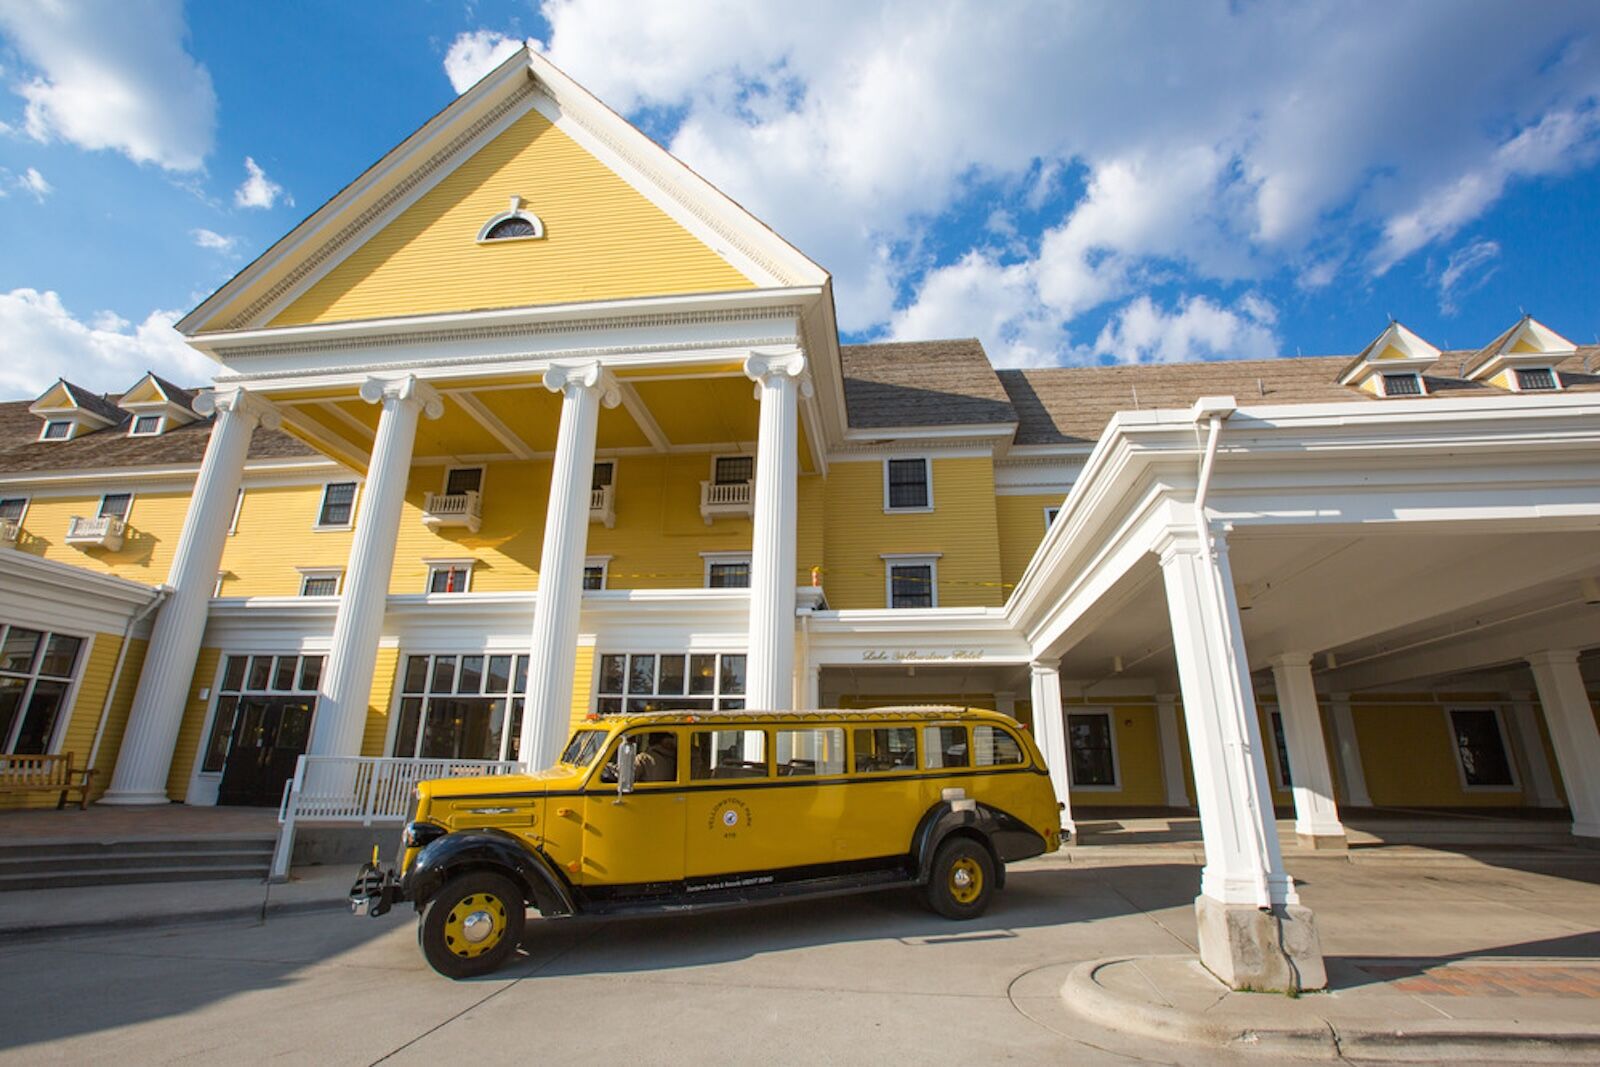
column 962, row 880
column 472, row 925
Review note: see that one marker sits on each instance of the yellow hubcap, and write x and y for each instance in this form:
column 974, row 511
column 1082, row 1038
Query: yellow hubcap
column 475, row 925
column 966, row 880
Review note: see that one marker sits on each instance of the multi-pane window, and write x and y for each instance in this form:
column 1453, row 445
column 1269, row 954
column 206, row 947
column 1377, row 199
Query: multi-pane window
column 696, row 681
column 993, row 747
column 603, row 473
column 1093, row 759
column 1534, row 379
column 1280, row 744
column 319, row 585
column 261, row 695
column 911, row 584
column 36, row 670
column 461, row 707
column 508, row 229
column 731, row 470
column 728, row 574
column 1481, row 748
column 145, row 426
column 338, row 504
column 594, row 575
column 115, row 505
column 1402, row 385
column 57, row 430
column 907, row 484
column 460, row 480
column 449, row 577
column 12, row 508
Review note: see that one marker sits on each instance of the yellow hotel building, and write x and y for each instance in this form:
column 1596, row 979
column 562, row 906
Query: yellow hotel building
column 529, row 422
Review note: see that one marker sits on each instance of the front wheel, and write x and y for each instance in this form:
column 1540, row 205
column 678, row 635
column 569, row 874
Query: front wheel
column 962, row 879
column 472, row 925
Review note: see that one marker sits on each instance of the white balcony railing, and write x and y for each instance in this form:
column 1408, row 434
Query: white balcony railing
column 10, row 530
column 361, row 790
column 103, row 532
column 719, row 499
column 453, row 509
column 603, row 505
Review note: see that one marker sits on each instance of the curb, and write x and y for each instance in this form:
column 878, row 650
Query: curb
column 1440, row 1041
column 46, row 931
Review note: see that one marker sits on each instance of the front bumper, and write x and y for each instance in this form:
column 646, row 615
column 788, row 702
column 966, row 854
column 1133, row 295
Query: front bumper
column 375, row 891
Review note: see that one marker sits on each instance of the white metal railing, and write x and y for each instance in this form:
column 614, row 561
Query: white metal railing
column 453, row 509
column 725, row 498
column 361, row 790
column 105, row 531
column 603, row 505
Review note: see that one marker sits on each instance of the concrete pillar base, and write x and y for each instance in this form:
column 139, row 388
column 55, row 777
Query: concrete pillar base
column 1323, row 842
column 1586, row 840
column 133, row 799
column 1275, row 951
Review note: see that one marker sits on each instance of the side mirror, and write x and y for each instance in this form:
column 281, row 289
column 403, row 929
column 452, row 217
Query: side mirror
column 625, row 756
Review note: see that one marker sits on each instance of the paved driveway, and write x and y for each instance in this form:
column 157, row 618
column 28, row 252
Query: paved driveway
column 853, row 980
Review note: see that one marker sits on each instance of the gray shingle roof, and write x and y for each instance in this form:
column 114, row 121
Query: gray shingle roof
column 922, row 383
column 93, row 403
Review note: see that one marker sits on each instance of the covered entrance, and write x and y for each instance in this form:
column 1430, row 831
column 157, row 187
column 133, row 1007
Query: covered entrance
column 265, row 707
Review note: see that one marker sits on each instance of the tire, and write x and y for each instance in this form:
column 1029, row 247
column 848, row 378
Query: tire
column 962, row 880
column 448, row 931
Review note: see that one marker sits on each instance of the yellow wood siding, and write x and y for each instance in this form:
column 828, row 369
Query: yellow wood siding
column 582, row 683
column 154, row 523
column 86, row 715
column 276, row 533
column 194, row 721
column 961, row 526
column 1409, row 755
column 1136, row 732
column 659, row 535
column 1021, row 524
column 376, row 734
column 603, row 240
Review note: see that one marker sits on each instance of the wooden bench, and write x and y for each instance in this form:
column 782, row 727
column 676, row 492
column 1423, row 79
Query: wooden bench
column 46, row 774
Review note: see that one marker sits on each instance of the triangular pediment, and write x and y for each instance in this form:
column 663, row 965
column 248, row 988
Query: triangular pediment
column 611, row 215
column 1395, row 349
column 1528, row 341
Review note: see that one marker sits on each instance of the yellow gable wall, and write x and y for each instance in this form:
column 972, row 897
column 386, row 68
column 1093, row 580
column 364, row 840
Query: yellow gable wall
column 603, row 240
column 1021, row 522
column 154, row 523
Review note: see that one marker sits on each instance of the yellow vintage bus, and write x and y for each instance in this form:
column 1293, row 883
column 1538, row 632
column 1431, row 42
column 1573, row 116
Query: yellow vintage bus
column 670, row 810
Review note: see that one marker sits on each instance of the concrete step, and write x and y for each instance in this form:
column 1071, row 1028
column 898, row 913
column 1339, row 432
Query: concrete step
column 132, row 846
column 138, row 875
column 63, row 863
column 114, row 863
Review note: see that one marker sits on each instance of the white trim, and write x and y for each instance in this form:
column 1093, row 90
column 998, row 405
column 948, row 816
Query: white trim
column 604, row 563
column 1051, row 513
column 1383, row 377
column 436, row 565
column 127, row 512
column 311, row 573
column 199, row 778
column 69, row 698
column 317, row 524
column 1117, row 784
column 515, row 212
column 180, row 477
column 238, row 505
column 715, row 456
column 133, row 424
column 891, row 560
column 1497, row 711
column 1280, row 780
column 72, row 426
column 27, row 501
column 712, row 559
column 1515, row 374
column 927, row 475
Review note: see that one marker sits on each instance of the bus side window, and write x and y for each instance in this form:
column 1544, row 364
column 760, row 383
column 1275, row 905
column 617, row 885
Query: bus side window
column 994, row 747
column 728, row 754
column 887, row 748
column 805, row 753
column 944, row 746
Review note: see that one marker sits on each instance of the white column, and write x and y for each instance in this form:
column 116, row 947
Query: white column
column 146, row 754
column 1177, row 789
column 547, row 714
column 1253, row 931
column 1316, row 813
column 341, row 716
column 1351, row 769
column 1572, row 734
column 1050, row 730
column 1530, row 745
column 769, row 668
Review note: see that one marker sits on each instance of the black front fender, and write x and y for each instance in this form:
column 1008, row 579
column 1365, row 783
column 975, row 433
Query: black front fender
column 1006, row 837
column 456, row 853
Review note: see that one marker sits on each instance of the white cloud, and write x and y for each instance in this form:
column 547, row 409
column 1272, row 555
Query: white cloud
column 257, row 190
column 46, row 342
column 212, row 240
column 33, row 182
column 114, row 76
column 1221, row 142
column 980, row 297
column 472, row 55
column 1141, row 332
column 1464, row 272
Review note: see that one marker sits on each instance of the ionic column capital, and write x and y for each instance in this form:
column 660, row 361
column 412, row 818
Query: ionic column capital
column 408, row 390
column 240, row 404
column 1041, row 668
column 570, row 378
column 778, row 366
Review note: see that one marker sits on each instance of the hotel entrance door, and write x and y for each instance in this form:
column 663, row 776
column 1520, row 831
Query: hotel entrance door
column 269, row 734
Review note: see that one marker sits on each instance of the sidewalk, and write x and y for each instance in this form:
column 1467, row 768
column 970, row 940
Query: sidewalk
column 1483, row 1008
column 38, row 913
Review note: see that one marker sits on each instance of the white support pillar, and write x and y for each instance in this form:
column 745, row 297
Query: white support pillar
column 341, row 717
column 146, row 754
column 1050, row 730
column 547, row 714
column 1177, row 790
column 1351, row 770
column 1316, row 813
column 1530, row 746
column 1253, row 931
column 1572, row 734
column 769, row 668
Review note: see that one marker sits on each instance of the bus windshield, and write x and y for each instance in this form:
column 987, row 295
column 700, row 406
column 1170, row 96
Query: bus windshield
column 583, row 747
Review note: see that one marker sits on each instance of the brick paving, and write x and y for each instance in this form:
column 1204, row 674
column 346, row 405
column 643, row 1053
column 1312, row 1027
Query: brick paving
column 1471, row 979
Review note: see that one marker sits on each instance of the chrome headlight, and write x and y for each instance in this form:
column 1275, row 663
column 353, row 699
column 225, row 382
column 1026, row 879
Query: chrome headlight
column 419, row 834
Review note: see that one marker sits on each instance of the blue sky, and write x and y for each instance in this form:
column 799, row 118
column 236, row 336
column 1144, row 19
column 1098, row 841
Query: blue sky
column 1071, row 183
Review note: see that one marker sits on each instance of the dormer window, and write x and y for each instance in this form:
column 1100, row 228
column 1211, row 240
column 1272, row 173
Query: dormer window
column 145, row 426
column 1522, row 360
column 156, row 406
column 1402, row 385
column 513, row 225
column 56, row 430
column 1535, row 379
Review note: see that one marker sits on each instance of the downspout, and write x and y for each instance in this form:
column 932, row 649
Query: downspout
column 1214, row 410
column 162, row 592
